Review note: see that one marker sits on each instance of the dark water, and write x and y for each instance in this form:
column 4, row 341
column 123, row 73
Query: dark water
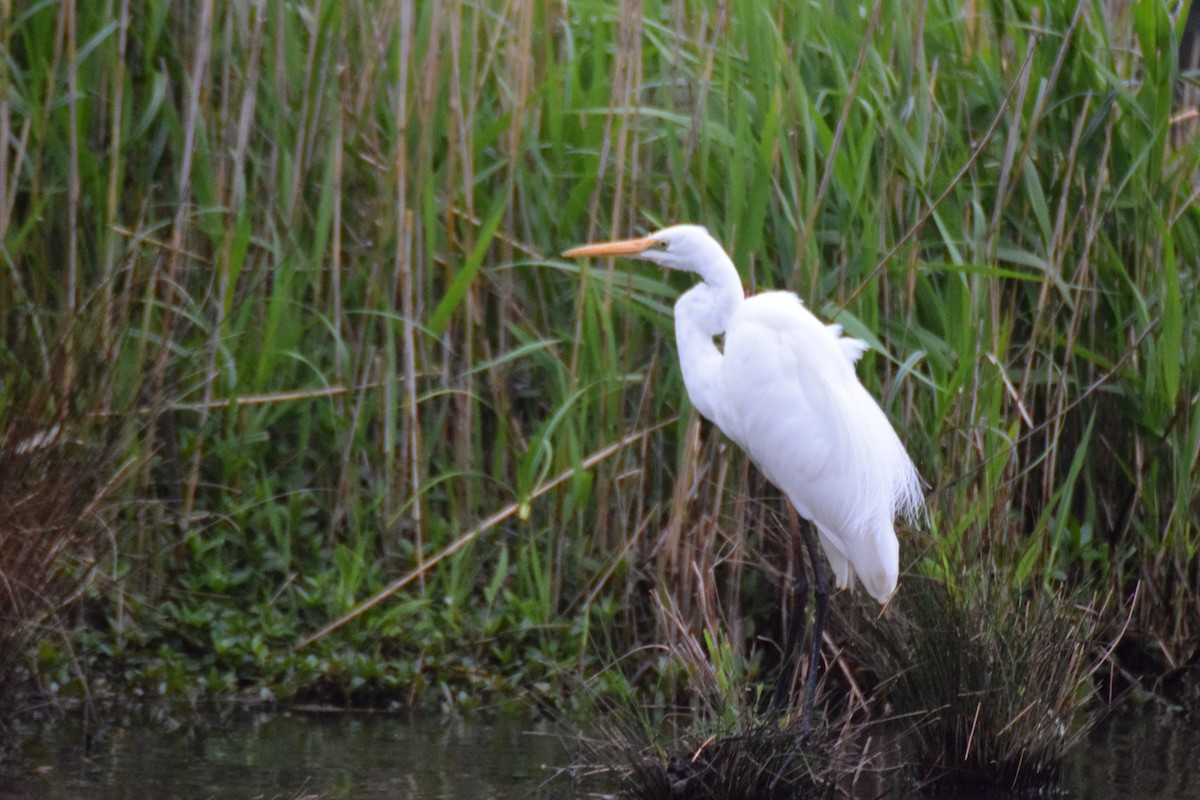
column 1138, row 756
column 342, row 755
column 370, row 756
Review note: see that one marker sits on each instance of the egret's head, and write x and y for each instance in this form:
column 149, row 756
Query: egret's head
column 683, row 247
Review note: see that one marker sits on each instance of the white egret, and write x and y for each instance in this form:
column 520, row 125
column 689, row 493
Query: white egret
column 785, row 390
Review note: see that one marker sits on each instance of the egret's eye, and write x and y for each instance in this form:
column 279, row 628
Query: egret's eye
column 662, row 244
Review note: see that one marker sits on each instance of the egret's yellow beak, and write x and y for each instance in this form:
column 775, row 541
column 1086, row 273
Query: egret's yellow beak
column 623, row 247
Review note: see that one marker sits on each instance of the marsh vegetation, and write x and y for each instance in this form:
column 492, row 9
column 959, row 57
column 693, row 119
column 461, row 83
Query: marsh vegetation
column 283, row 276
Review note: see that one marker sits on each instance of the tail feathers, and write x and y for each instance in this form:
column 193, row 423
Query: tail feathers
column 877, row 561
column 874, row 557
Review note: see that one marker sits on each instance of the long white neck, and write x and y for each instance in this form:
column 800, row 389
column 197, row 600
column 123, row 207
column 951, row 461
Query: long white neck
column 701, row 313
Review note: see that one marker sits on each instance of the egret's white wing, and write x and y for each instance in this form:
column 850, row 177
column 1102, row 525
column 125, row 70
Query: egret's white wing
column 776, row 404
column 792, row 401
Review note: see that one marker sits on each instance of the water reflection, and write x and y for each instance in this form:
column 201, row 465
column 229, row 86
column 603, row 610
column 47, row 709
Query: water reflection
column 1138, row 755
column 284, row 756
column 349, row 755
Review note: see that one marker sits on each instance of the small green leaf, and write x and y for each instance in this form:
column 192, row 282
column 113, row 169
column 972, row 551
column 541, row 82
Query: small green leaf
column 457, row 290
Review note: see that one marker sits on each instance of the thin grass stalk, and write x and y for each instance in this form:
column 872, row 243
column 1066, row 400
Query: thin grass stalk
column 179, row 228
column 407, row 287
column 414, row 448
column 306, row 115
column 336, row 301
column 6, row 190
column 66, row 380
column 116, row 165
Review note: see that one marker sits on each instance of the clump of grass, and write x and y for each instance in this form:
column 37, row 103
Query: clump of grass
column 997, row 684
column 764, row 761
column 725, row 743
column 743, row 754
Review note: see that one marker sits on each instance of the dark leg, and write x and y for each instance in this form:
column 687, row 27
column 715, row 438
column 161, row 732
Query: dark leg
column 795, row 634
column 821, row 591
